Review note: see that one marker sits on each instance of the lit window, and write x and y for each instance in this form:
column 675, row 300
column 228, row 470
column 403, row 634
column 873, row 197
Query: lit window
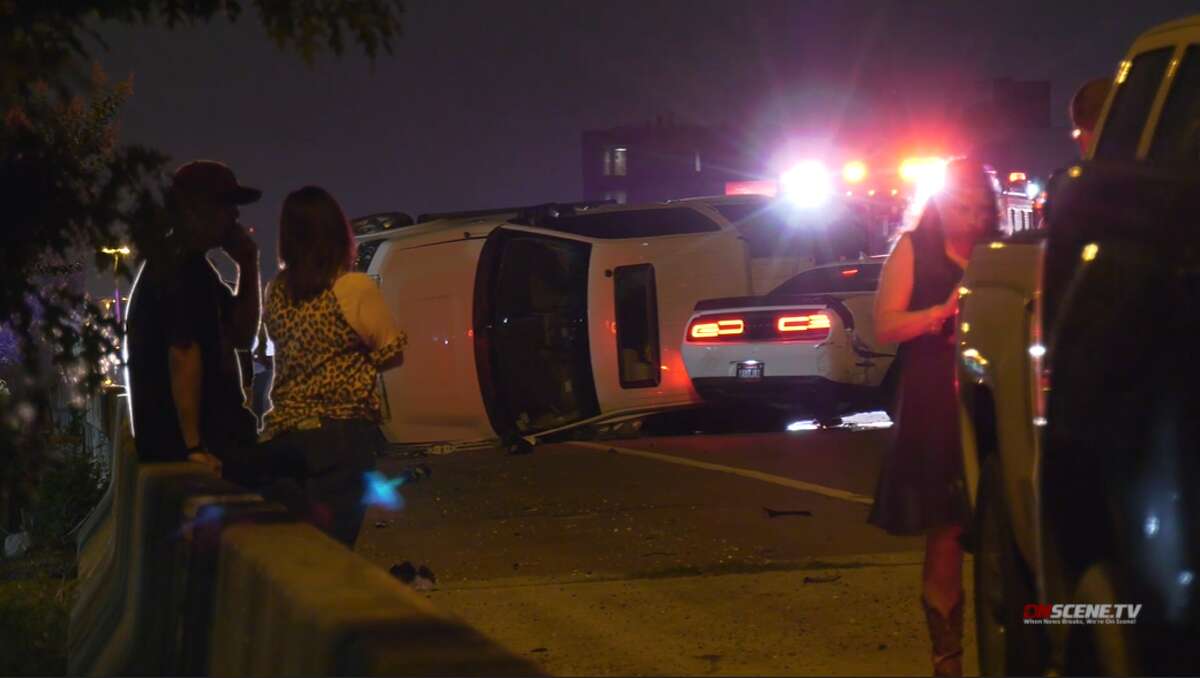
column 614, row 161
column 620, row 197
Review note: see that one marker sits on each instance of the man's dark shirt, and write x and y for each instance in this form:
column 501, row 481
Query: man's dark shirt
column 176, row 303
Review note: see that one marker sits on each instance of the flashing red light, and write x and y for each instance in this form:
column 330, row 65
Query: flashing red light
column 761, row 187
column 854, row 172
column 849, row 272
column 707, row 329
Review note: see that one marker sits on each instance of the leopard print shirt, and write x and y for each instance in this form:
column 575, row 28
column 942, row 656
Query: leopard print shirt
column 323, row 368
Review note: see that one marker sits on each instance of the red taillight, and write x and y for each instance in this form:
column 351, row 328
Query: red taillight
column 710, row 329
column 849, row 272
column 813, row 326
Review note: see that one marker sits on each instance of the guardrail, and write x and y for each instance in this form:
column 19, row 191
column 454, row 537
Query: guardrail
column 183, row 573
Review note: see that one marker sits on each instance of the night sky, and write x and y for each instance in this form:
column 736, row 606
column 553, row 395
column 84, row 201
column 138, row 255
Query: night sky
column 482, row 103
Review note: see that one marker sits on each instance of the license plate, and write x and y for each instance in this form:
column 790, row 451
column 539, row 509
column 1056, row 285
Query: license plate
column 749, row 370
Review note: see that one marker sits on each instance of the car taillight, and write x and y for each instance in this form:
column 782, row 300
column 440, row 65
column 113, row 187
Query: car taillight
column 812, row 326
column 716, row 329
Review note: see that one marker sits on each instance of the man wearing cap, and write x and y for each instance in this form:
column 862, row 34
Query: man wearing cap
column 184, row 325
column 1085, row 110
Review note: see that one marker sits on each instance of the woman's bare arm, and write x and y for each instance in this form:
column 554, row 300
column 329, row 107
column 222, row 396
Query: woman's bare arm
column 894, row 323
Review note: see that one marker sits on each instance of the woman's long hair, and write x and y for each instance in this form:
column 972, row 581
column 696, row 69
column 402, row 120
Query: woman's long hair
column 316, row 243
column 960, row 173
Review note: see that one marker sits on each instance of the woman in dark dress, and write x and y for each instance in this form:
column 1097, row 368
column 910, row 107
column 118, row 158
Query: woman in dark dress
column 920, row 488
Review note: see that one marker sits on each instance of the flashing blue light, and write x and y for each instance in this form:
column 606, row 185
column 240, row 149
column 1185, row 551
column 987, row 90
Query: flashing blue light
column 381, row 491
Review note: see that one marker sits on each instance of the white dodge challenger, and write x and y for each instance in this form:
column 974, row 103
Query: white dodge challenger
column 806, row 347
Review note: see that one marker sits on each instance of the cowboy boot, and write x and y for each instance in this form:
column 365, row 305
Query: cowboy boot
column 945, row 634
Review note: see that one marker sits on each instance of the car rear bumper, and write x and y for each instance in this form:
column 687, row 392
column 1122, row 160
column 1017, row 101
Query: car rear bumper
column 804, row 391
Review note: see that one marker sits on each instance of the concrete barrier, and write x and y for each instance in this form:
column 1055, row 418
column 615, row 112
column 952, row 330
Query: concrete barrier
column 182, row 573
column 102, row 560
column 292, row 601
column 93, row 540
column 133, row 629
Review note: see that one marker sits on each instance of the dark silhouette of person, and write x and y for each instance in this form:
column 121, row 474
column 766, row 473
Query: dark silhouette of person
column 1085, row 110
column 184, row 326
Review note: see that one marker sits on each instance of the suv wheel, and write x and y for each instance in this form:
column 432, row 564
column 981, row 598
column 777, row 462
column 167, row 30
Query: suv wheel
column 1007, row 645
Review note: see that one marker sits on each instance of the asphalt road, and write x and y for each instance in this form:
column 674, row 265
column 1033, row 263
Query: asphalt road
column 660, row 556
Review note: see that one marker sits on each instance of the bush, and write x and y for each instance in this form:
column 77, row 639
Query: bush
column 69, row 487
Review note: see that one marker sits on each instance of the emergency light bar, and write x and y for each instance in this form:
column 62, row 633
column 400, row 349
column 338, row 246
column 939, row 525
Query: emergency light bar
column 762, row 187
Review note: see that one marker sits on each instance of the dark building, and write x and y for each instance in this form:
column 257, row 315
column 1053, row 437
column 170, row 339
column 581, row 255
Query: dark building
column 1010, row 126
column 659, row 161
column 1004, row 122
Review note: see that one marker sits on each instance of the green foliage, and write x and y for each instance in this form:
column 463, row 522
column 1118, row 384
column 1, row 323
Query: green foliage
column 69, row 488
column 70, row 188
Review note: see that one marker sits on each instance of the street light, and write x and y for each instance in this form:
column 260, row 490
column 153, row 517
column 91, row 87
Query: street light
column 116, row 253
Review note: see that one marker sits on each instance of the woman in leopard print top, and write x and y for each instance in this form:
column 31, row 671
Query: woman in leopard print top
column 333, row 335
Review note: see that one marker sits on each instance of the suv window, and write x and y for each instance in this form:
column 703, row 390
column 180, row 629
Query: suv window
column 1177, row 139
column 1131, row 106
column 637, row 326
column 639, row 224
column 857, row 277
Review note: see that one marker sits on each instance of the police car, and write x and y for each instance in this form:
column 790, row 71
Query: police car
column 807, row 346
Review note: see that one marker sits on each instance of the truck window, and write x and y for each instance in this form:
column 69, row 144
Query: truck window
column 1131, row 106
column 1177, row 139
column 637, row 326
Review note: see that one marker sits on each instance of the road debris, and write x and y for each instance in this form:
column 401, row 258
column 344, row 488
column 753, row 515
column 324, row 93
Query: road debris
column 415, row 474
column 822, row 580
column 772, row 513
column 426, row 580
column 405, row 572
column 420, row 578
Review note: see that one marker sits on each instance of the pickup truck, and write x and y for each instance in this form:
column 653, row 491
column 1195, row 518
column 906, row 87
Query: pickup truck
column 1078, row 398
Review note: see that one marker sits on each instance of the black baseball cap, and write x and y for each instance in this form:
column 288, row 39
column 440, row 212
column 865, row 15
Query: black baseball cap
column 212, row 179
